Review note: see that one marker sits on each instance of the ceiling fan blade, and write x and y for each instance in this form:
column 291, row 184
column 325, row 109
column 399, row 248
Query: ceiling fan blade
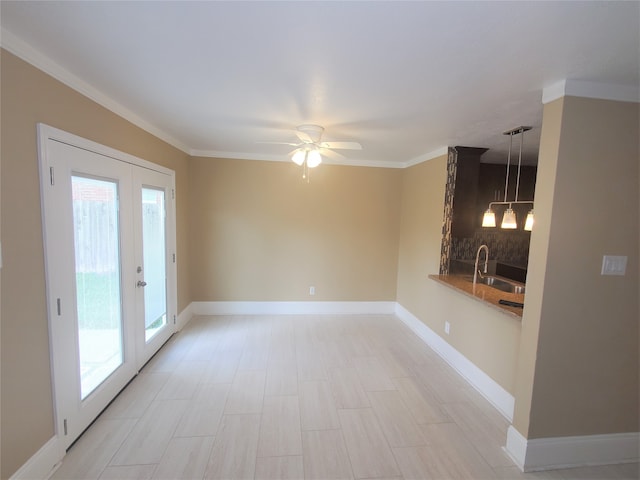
column 304, row 136
column 280, row 143
column 342, row 145
column 332, row 154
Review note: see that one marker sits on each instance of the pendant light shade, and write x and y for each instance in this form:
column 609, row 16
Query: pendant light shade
column 509, row 220
column 489, row 218
column 528, row 224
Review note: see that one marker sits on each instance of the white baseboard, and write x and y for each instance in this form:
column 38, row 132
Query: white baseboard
column 292, row 308
column 516, row 447
column 564, row 452
column 184, row 317
column 43, row 463
column 488, row 388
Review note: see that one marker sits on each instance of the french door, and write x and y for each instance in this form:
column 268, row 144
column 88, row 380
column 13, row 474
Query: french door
column 109, row 233
column 154, row 261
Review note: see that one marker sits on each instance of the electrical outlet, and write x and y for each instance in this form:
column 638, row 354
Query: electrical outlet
column 447, row 327
column 312, row 290
column 614, row 265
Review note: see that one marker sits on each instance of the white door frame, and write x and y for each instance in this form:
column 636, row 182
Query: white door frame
column 47, row 134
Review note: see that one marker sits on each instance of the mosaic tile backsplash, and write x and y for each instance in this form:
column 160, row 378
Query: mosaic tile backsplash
column 506, row 247
column 445, row 248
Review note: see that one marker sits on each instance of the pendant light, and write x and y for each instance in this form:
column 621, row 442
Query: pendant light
column 528, row 224
column 509, row 220
column 489, row 218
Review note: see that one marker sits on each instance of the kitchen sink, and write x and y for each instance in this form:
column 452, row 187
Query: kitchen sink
column 500, row 284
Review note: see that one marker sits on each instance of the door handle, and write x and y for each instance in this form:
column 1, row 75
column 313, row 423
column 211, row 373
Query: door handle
column 141, row 283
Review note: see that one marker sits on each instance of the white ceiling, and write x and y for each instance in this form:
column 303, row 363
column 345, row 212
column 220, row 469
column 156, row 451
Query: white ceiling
column 405, row 79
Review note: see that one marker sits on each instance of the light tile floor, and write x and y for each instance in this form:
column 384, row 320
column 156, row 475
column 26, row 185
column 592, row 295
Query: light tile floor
column 293, row 397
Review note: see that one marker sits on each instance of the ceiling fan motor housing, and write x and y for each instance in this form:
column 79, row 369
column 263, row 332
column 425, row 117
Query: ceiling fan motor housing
column 313, row 132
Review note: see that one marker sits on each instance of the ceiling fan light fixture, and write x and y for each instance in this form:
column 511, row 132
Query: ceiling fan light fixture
column 298, row 157
column 314, row 159
column 307, row 152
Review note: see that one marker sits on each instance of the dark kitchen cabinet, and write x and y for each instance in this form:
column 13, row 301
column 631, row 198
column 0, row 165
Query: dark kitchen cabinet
column 463, row 221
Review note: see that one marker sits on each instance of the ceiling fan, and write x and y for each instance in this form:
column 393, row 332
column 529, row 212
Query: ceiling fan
column 309, row 150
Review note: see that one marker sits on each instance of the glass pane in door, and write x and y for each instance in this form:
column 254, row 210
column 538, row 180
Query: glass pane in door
column 97, row 267
column 154, row 258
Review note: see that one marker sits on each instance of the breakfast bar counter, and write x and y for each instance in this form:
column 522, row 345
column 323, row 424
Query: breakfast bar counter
column 482, row 293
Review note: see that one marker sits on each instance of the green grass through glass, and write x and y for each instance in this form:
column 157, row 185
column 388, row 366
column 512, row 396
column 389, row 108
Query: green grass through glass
column 98, row 300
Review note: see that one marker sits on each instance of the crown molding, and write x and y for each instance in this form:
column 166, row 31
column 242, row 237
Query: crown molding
column 427, row 156
column 239, row 155
column 26, row 52
column 285, row 158
column 581, row 88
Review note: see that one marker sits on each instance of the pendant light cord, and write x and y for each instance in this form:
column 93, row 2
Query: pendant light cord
column 521, row 132
column 506, row 179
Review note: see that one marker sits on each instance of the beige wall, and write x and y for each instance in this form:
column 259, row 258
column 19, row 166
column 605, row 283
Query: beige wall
column 261, row 233
column 30, row 96
column 421, row 217
column 581, row 342
column 545, row 187
column 485, row 336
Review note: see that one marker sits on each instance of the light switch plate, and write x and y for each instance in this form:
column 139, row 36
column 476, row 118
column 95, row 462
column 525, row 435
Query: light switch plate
column 614, row 265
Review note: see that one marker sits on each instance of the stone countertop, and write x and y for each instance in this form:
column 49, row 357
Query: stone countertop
column 482, row 293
